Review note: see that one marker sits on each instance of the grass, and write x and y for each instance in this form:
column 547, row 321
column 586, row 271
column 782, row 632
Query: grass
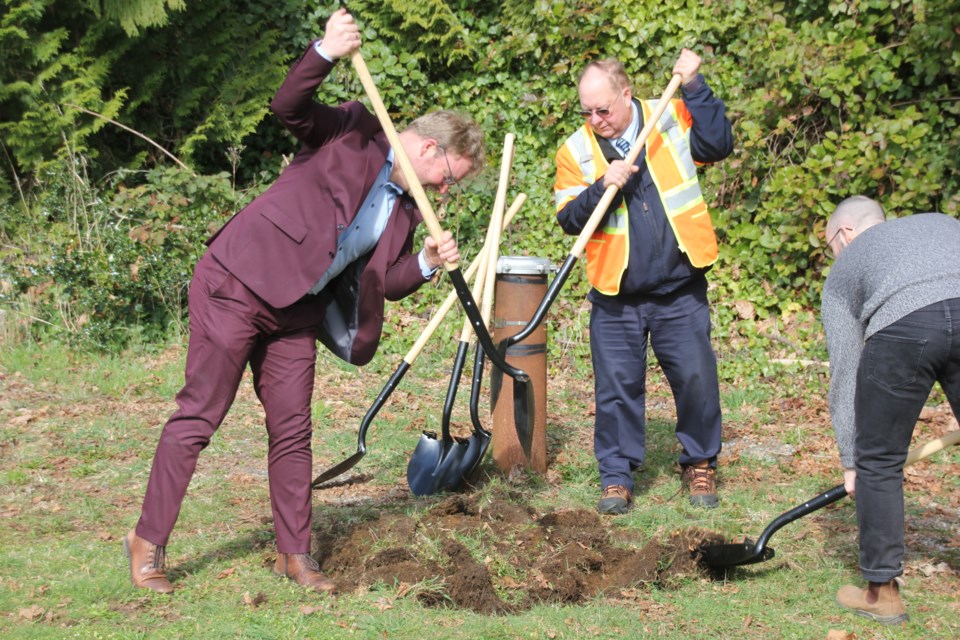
column 77, row 433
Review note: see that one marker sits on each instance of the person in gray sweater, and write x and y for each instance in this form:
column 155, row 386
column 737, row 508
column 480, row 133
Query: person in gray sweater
column 891, row 312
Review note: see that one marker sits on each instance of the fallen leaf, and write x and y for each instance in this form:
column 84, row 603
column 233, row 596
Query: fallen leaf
column 928, row 569
column 745, row 309
column 510, row 583
column 309, row 610
column 839, row 634
column 31, row 613
column 254, row 601
column 226, row 573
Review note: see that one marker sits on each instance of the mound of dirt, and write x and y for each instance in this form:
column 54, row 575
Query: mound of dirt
column 445, row 556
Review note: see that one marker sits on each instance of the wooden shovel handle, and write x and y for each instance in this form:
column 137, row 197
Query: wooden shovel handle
column 482, row 286
column 601, row 209
column 479, row 263
column 413, row 182
column 927, row 449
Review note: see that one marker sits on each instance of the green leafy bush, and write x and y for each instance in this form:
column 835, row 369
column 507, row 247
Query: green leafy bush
column 827, row 98
column 125, row 274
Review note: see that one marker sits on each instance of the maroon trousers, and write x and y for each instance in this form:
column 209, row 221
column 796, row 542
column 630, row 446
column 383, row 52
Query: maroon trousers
column 229, row 327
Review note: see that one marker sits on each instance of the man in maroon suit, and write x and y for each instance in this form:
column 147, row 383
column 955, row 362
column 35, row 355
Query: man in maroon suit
column 314, row 257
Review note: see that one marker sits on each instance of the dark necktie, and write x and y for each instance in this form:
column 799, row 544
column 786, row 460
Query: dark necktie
column 623, row 146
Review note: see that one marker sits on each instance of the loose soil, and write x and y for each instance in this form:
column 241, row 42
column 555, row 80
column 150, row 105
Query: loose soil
column 565, row 556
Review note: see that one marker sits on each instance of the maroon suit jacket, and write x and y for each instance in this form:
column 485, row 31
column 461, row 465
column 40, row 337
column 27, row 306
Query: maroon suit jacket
column 281, row 243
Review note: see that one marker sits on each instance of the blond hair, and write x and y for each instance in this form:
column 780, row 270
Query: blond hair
column 454, row 132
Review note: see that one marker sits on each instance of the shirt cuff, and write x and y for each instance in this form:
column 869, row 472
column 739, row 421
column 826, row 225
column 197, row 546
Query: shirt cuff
column 425, row 270
column 695, row 85
column 323, row 54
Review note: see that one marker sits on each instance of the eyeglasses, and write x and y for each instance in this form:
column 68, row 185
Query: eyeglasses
column 448, row 179
column 602, row 113
column 830, row 241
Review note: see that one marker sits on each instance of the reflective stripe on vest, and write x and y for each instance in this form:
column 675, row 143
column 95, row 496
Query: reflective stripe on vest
column 675, row 175
column 608, row 248
column 673, row 172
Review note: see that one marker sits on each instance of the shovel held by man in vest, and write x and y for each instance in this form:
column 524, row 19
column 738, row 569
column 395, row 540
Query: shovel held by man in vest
column 651, row 119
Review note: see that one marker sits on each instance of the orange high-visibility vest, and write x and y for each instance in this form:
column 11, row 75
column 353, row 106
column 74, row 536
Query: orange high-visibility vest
column 580, row 163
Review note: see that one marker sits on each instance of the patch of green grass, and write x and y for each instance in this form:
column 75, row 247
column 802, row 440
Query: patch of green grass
column 73, row 477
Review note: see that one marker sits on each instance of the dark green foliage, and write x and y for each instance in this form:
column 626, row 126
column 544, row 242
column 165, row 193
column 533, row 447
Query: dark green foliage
column 828, row 99
column 123, row 271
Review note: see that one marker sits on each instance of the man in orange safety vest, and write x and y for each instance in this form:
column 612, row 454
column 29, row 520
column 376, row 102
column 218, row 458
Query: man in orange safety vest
column 647, row 263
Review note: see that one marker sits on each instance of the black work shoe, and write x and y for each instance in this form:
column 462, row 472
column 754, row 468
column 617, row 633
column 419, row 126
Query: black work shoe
column 700, row 480
column 615, row 499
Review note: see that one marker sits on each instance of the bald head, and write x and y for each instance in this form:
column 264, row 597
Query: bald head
column 857, row 212
column 851, row 217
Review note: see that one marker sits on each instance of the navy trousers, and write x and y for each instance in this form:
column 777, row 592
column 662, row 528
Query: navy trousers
column 897, row 370
column 678, row 328
column 230, row 327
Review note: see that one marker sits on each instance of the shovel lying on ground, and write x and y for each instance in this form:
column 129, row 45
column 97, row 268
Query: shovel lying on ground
column 496, row 376
column 523, row 400
column 437, row 465
column 404, row 366
column 722, row 556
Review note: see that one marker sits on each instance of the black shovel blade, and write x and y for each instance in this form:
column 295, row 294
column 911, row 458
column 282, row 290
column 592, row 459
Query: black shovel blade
column 730, row 555
column 725, row 556
column 339, row 468
column 448, row 474
column 348, row 464
column 522, row 418
column 423, row 463
column 476, row 448
column 435, row 464
column 524, row 401
column 523, row 387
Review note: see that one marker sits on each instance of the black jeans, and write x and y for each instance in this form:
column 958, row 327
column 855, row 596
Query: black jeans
column 898, row 367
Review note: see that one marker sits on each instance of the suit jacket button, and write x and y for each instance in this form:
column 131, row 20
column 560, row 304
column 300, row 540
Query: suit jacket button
column 339, row 227
column 407, row 206
column 330, row 254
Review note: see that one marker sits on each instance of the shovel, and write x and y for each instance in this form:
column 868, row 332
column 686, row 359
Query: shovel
column 454, row 469
column 496, row 376
column 722, row 556
column 523, row 401
column 434, row 465
column 402, row 369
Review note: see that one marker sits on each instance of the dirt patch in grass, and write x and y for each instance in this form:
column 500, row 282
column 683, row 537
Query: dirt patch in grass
column 496, row 555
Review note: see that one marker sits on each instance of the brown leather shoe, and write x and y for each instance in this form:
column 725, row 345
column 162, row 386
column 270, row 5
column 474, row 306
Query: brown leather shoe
column 304, row 570
column 147, row 560
column 700, row 480
column 880, row 601
column 615, row 499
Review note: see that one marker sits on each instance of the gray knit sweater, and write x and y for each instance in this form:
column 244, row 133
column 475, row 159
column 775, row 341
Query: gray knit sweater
column 888, row 271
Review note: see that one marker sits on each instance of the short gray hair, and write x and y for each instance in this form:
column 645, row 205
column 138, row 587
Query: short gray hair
column 614, row 70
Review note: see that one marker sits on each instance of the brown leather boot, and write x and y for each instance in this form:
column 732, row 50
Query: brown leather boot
column 147, row 562
column 880, row 601
column 700, row 480
column 304, row 570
